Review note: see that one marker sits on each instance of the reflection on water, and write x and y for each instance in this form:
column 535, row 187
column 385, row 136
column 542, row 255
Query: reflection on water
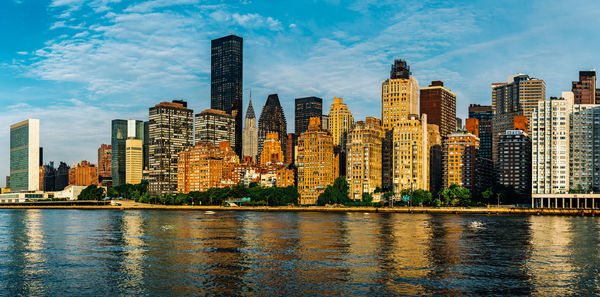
column 78, row 252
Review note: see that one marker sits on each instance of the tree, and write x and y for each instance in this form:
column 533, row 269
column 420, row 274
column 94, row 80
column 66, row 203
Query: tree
column 336, row 193
column 487, row 195
column 456, row 195
column 420, row 197
column 92, row 192
column 367, row 198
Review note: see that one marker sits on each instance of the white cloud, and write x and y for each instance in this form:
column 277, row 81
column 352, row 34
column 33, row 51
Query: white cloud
column 254, row 20
column 22, row 53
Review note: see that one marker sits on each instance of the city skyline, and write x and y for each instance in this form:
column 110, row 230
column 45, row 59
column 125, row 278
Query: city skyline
column 44, row 75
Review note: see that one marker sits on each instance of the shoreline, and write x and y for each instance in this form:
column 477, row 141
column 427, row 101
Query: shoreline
column 130, row 205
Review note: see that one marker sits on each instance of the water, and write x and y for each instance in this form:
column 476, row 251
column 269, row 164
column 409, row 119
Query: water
column 111, row 253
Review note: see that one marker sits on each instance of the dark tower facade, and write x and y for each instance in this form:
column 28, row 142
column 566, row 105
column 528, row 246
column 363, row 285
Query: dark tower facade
column 400, row 69
column 485, row 116
column 226, row 78
column 306, row 108
column 272, row 120
column 584, row 90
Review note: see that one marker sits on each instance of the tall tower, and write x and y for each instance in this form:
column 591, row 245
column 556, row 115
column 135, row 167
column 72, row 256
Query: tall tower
column 363, row 163
column 585, row 89
column 306, row 108
column 484, row 115
column 170, row 132
column 272, row 120
column 340, row 122
column 121, row 130
column 250, row 135
column 134, row 160
column 439, row 104
column 25, row 155
column 550, row 144
column 517, row 97
column 215, row 126
column 399, row 95
column 315, row 162
column 226, row 77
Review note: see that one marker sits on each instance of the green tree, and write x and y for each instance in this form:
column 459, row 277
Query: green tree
column 487, row 195
column 367, row 198
column 456, row 195
column 92, row 192
column 420, row 197
column 336, row 193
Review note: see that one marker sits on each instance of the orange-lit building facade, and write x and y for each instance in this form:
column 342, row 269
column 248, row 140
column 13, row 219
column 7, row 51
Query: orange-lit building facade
column 363, row 162
column 271, row 152
column 83, row 174
column 285, row 178
column 458, row 147
column 206, row 166
column 315, row 162
column 472, row 126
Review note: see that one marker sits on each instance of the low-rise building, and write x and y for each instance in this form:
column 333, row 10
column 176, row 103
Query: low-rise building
column 285, row 178
column 83, row 174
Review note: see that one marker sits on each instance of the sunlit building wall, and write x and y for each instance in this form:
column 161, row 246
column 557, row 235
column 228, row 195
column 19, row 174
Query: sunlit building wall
column 363, row 161
column 315, row 162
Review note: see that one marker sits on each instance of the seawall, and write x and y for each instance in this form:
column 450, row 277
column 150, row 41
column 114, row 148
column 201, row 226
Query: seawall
column 129, row 205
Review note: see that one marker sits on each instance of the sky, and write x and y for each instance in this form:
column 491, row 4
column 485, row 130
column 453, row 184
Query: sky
column 78, row 64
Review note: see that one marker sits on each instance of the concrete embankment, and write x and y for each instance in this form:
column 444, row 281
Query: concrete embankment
column 130, row 205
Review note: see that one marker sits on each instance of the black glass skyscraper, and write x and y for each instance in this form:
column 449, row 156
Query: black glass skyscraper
column 226, row 78
column 272, row 120
column 119, row 134
column 307, row 108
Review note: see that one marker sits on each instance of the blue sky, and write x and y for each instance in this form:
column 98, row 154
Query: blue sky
column 77, row 64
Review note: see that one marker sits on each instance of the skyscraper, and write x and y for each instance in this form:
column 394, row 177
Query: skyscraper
column 104, row 162
column 517, row 97
column 134, row 160
column 25, row 155
column 410, row 167
column 585, row 90
column 306, row 108
column 170, row 132
column 250, row 135
column 584, row 148
column 399, row 95
column 363, row 162
column 315, row 162
column 121, row 130
column 227, row 81
column 271, row 152
column 272, row 120
column 550, row 145
column 484, row 116
column 439, row 104
column 460, row 148
column 405, row 149
column 340, row 123
column 215, row 126
column 62, row 177
column 514, row 161
column 434, row 140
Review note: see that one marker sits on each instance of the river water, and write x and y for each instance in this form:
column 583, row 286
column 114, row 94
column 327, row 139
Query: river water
column 110, row 253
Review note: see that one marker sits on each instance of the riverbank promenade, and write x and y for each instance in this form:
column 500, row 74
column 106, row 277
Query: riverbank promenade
column 132, row 205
